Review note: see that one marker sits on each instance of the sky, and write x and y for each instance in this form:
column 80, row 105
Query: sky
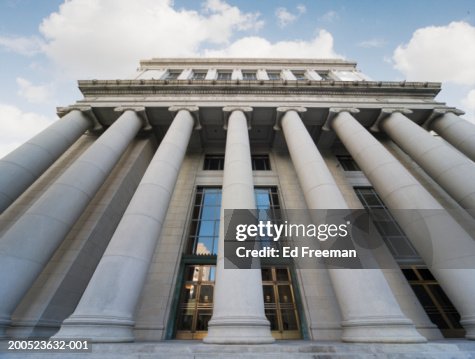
column 47, row 45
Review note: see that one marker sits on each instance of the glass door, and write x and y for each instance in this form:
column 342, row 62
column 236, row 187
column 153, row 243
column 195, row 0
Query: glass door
column 279, row 303
column 196, row 302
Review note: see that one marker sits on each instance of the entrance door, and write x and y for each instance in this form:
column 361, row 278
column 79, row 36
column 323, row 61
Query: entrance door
column 279, row 303
column 196, row 302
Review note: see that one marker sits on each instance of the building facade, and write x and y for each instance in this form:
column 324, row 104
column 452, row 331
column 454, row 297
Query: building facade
column 112, row 218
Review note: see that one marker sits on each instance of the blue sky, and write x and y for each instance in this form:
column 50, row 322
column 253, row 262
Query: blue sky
column 45, row 46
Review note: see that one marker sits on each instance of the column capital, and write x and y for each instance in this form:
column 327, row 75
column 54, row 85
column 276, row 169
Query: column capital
column 192, row 109
column 86, row 109
column 333, row 111
column 281, row 111
column 140, row 111
column 385, row 112
column 438, row 112
column 227, row 110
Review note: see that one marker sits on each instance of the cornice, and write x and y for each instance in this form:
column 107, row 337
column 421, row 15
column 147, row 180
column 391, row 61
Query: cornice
column 160, row 62
column 185, row 87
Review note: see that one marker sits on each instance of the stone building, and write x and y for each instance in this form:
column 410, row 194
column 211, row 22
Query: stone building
column 111, row 216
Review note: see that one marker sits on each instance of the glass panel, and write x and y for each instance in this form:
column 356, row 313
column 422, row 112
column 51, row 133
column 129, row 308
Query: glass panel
column 185, row 320
column 266, row 274
column 189, row 294
column 289, row 320
column 282, row 274
column 299, row 75
column 249, row 76
column 271, row 315
column 199, row 75
column 285, row 294
column 224, row 75
column 206, row 294
column 409, row 274
column 206, row 227
column 211, row 198
column 273, row 75
column 205, row 245
column 269, row 297
column 426, row 274
column 208, row 273
column 190, row 273
column 204, row 315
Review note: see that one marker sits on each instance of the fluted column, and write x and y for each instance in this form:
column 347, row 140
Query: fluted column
column 28, row 245
column 457, row 131
column 447, row 166
column 444, row 245
column 21, row 167
column 238, row 312
column 369, row 310
column 106, row 310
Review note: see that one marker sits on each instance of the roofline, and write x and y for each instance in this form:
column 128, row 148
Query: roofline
column 247, row 61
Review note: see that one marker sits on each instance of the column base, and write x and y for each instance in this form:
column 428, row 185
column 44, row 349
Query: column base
column 381, row 330
column 98, row 330
column 468, row 324
column 238, row 331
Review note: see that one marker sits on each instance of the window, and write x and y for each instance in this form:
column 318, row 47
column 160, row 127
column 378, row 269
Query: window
column 214, row 163
column 299, row 75
column 204, row 229
column 260, row 163
column 224, row 75
column 348, row 163
column 273, row 75
column 249, row 75
column 198, row 75
column 394, row 237
column 173, row 74
column 435, row 302
column 324, row 75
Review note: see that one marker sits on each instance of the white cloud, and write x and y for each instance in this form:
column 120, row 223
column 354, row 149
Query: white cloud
column 319, row 47
column 372, row 43
column 18, row 126
column 439, row 53
column 35, row 94
column 301, row 9
column 284, row 16
column 28, row 46
column 330, row 16
column 92, row 38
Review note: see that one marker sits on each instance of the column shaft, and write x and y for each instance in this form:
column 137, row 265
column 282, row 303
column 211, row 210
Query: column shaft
column 459, row 132
column 238, row 312
column 447, row 166
column 106, row 310
column 369, row 310
column 21, row 167
column 422, row 218
column 28, row 245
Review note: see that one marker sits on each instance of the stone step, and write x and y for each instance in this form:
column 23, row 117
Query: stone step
column 457, row 349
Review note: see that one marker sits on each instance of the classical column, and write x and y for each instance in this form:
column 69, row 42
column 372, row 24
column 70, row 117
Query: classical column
column 29, row 244
column 238, row 312
column 106, row 310
column 447, row 166
column 457, row 131
column 369, row 310
column 444, row 245
column 21, row 167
